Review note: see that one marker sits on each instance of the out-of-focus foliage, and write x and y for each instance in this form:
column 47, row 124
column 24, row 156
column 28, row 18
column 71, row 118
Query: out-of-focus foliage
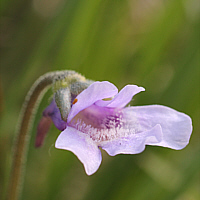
column 152, row 43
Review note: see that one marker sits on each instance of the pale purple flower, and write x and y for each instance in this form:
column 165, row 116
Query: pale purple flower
column 97, row 122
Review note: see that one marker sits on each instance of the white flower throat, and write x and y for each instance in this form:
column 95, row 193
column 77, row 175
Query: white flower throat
column 101, row 124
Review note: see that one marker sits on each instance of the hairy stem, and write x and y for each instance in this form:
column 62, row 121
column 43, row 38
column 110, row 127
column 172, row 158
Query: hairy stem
column 28, row 111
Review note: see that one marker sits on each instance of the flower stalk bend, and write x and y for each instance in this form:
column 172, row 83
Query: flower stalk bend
column 59, row 79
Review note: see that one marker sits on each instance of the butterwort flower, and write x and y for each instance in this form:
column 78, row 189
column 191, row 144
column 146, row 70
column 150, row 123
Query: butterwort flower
column 99, row 119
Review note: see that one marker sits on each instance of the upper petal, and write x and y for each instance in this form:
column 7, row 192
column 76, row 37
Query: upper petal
column 134, row 143
column 96, row 91
column 82, row 146
column 122, row 98
column 176, row 126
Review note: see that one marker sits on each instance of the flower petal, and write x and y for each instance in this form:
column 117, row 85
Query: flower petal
column 53, row 112
column 122, row 98
column 82, row 146
column 96, row 91
column 176, row 126
column 134, row 143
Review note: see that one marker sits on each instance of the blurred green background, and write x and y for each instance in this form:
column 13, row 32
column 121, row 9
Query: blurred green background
column 151, row 43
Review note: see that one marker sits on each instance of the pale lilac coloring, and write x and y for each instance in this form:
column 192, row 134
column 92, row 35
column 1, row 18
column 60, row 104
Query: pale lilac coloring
column 95, row 123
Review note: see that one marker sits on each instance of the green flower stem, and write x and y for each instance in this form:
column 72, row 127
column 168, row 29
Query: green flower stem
column 25, row 123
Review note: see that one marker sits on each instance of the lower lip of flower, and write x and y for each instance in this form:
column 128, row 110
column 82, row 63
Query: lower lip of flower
column 100, row 127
